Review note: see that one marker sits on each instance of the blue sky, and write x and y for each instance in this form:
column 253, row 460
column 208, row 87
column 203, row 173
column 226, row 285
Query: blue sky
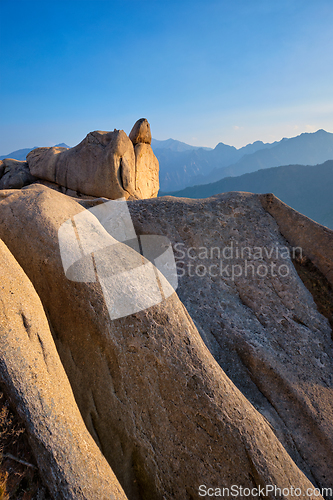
column 202, row 72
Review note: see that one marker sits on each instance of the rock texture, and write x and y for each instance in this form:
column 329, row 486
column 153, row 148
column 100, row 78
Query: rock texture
column 146, row 168
column 15, row 174
column 69, row 460
column 103, row 164
column 265, row 331
column 146, row 163
column 164, row 413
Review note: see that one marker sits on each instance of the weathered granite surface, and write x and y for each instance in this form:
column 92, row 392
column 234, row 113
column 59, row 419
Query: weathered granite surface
column 69, row 460
column 106, row 164
column 166, row 415
column 265, row 331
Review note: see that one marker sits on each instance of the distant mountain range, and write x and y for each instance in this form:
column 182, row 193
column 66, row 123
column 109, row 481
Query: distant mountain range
column 305, row 149
column 182, row 165
column 174, row 145
column 307, row 189
column 21, row 154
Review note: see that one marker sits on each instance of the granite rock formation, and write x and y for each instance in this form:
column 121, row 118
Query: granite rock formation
column 256, row 316
column 69, row 460
column 228, row 381
column 106, row 164
column 15, row 174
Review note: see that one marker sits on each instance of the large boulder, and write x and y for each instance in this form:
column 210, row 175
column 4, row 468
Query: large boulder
column 15, row 174
column 257, row 318
column 69, row 460
column 103, row 164
column 146, row 163
column 163, row 412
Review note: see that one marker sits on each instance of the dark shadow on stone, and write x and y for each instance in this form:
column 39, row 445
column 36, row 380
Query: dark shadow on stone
column 319, row 287
column 19, row 474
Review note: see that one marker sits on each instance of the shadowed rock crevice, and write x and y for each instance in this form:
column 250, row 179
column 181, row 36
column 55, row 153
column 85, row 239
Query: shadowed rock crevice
column 26, row 324
column 319, row 287
column 44, row 351
column 19, row 474
column 93, row 419
column 300, row 231
column 15, row 174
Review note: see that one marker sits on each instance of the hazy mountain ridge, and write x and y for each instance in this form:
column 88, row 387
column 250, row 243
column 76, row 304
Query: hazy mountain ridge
column 306, row 188
column 21, row 154
column 174, row 145
column 304, row 149
column 180, row 169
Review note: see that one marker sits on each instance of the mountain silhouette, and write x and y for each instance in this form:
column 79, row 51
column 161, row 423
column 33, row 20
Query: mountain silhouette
column 305, row 149
column 308, row 189
column 21, row 154
column 180, row 167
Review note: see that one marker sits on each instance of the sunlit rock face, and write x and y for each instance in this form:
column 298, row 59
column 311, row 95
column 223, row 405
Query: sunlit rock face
column 70, row 462
column 104, row 164
column 227, row 381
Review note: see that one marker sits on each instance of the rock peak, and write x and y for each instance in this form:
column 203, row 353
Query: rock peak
column 140, row 132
